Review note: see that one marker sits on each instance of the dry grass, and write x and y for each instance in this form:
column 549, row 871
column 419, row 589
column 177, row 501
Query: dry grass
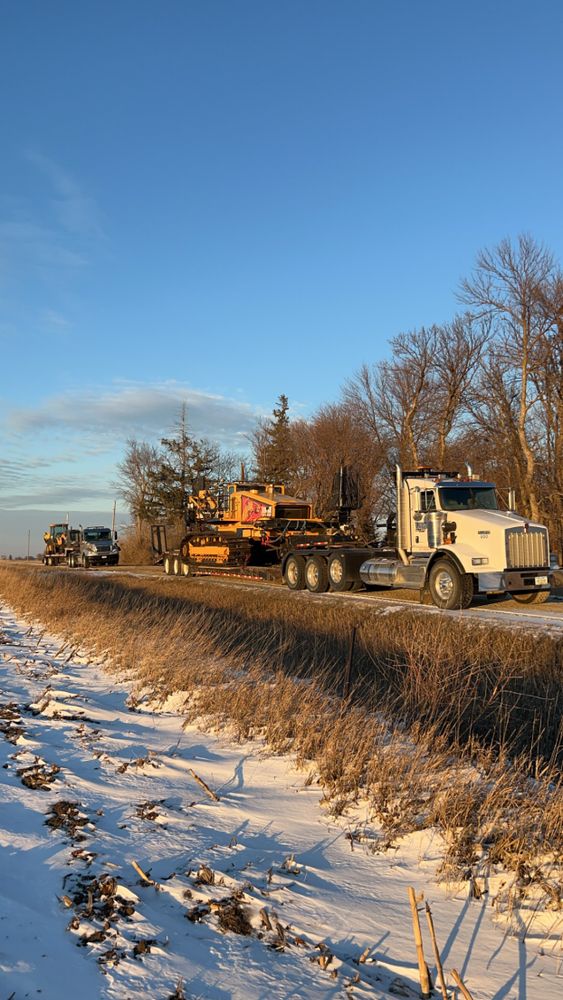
column 135, row 548
column 447, row 724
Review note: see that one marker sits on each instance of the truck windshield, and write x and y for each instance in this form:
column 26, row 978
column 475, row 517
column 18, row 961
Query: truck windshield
column 97, row 535
column 468, row 498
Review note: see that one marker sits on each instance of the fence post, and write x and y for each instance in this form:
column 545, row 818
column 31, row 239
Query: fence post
column 349, row 663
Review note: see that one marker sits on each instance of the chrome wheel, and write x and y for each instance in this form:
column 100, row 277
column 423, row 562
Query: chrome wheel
column 444, row 584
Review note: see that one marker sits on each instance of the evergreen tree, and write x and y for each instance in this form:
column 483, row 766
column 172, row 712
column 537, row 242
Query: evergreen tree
column 186, row 466
column 272, row 441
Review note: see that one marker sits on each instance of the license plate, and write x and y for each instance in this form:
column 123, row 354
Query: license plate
column 541, row 581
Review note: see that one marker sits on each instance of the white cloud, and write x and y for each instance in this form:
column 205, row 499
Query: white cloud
column 51, row 237
column 74, row 210
column 140, row 411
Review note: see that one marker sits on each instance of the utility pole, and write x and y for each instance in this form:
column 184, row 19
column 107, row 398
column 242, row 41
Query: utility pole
column 113, row 519
column 28, row 542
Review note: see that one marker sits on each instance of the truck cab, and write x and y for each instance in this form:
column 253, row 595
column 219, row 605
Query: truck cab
column 98, row 547
column 453, row 541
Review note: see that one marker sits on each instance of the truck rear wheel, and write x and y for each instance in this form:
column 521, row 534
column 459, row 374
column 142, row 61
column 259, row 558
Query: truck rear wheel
column 449, row 589
column 294, row 573
column 186, row 569
column 337, row 574
column 176, row 566
column 167, row 563
column 532, row 597
column 316, row 575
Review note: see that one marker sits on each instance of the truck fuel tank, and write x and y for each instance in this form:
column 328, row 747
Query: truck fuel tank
column 393, row 573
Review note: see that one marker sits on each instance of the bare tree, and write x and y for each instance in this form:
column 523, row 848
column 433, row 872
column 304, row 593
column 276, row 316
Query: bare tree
column 459, row 349
column 135, row 475
column 334, row 436
column 508, row 287
column 393, row 399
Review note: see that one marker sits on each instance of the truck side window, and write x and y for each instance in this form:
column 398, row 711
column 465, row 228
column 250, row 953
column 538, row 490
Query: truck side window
column 427, row 500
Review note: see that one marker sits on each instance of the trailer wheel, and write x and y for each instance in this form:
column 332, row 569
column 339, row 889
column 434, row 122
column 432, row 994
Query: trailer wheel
column 294, row 573
column 337, row 574
column 449, row 589
column 316, row 575
column 532, row 597
column 166, row 562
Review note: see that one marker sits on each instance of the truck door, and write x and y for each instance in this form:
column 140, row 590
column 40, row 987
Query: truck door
column 420, row 520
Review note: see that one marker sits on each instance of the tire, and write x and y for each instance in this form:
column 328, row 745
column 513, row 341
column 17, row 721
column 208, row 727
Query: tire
column 337, row 574
column 177, row 566
column 167, row 563
column 186, row 569
column 294, row 573
column 449, row 589
column 532, row 597
column 84, row 562
column 316, row 575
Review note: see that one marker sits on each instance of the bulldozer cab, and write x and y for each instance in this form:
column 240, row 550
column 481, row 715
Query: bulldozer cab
column 56, row 533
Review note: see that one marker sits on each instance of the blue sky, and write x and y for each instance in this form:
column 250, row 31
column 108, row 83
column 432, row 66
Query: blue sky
column 223, row 200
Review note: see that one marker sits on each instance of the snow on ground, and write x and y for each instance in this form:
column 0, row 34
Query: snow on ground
column 121, row 876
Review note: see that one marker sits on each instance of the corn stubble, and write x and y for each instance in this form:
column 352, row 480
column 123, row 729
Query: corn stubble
column 447, row 724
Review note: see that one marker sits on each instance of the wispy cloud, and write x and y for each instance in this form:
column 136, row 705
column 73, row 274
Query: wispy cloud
column 74, row 210
column 53, row 318
column 50, row 233
column 141, row 411
column 63, row 453
column 58, row 495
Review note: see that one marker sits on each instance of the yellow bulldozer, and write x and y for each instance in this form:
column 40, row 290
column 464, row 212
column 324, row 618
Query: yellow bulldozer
column 239, row 525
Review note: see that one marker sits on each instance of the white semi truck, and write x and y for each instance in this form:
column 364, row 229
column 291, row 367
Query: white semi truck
column 446, row 538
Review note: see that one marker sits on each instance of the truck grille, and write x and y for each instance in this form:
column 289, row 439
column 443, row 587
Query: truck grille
column 526, row 549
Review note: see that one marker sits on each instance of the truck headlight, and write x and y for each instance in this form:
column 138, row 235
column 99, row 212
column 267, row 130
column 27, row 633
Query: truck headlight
column 480, row 561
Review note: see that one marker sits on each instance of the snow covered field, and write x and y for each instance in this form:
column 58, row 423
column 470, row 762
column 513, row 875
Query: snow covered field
column 122, row 875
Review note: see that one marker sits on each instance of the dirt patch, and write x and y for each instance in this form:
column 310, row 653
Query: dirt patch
column 11, row 722
column 66, row 816
column 149, row 810
column 39, row 775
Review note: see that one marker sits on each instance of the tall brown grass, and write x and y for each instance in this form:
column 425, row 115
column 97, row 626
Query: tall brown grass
column 447, row 723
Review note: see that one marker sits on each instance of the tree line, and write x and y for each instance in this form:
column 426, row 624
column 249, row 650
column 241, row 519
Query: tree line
column 485, row 388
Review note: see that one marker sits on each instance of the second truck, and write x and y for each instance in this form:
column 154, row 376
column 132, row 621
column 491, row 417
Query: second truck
column 93, row 546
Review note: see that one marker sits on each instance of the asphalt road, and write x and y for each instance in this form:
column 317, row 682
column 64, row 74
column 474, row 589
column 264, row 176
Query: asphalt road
column 502, row 609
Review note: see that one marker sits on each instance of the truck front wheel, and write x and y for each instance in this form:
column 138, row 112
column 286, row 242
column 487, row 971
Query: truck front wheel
column 316, row 575
column 449, row 589
column 294, row 573
column 532, row 597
